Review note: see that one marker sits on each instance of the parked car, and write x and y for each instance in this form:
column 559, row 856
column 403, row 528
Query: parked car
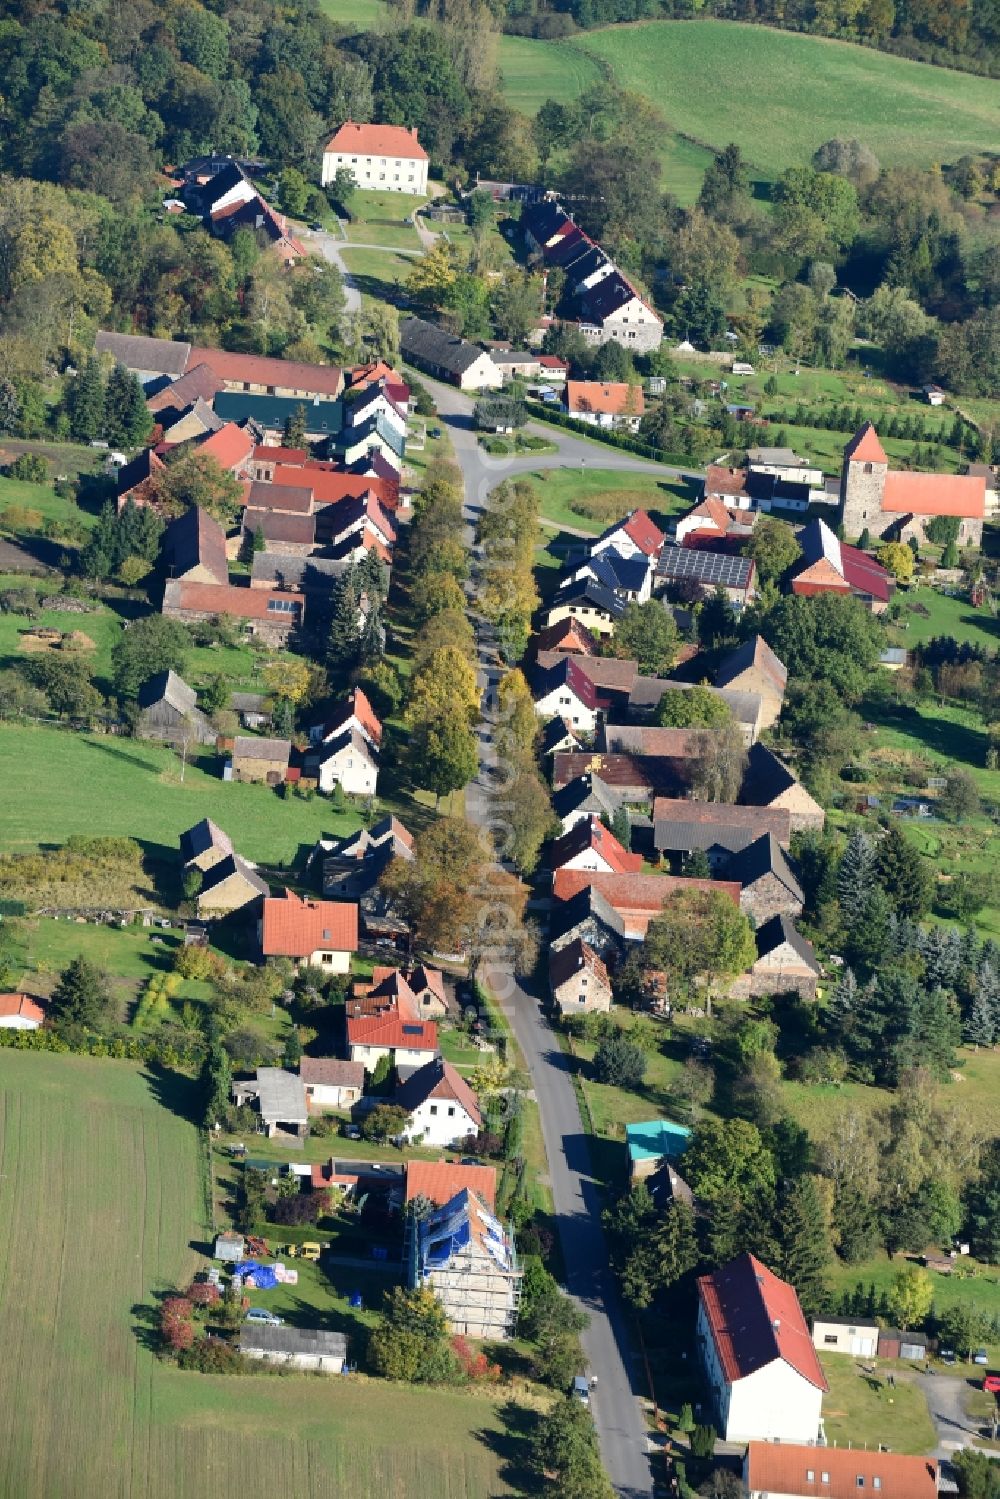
column 351, row 1132
column 980, row 1356
column 262, row 1317
column 946, row 1355
column 991, row 1384
column 581, row 1389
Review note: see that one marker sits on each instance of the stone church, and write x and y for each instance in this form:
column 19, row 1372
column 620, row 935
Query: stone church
column 894, row 504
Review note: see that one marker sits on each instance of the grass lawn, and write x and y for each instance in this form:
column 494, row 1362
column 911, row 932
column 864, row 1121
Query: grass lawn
column 382, row 219
column 605, row 495
column 103, row 627
column 941, row 734
column 132, row 788
column 108, row 1210
column 43, row 498
column 611, row 1108
column 929, row 612
column 358, row 15
column 378, row 274
column 533, row 71
column 862, row 1409
column 806, row 90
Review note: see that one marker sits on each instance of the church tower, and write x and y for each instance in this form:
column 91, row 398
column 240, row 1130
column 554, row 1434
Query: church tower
column 862, row 485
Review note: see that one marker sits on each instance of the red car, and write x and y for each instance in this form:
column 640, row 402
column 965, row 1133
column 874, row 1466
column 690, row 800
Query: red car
column 991, row 1384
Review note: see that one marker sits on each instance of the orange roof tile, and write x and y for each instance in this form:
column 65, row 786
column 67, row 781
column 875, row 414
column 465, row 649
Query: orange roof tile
column 328, row 487
column 377, row 140
column 610, row 399
column 935, row 494
column 231, row 446
column 783, row 1468
column 294, row 928
column 392, row 1030
column 591, row 834
column 438, row 1079
column 22, row 1006
column 439, row 1181
column 274, row 454
column 647, row 536
column 864, row 446
column 258, row 369
column 240, row 603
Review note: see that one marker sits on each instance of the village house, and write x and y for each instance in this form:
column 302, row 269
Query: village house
column 353, row 865
column 270, row 616
column 753, row 667
column 635, row 535
column 465, row 1256
column 279, row 1098
column 382, row 158
column 768, row 782
column 418, row 990
column 312, row 1350
column 897, row 503
column 196, row 421
column 857, row 1336
column 568, row 636
column 447, row 357
column 710, row 522
column 582, row 798
column 651, row 1144
column 228, row 886
column 828, row 565
column 395, row 1033
column 631, row 578
column 194, row 548
column 231, row 447
column 441, row 1107
column 612, row 679
column 725, row 487
column 611, row 911
column 354, row 714
column 767, row 885
column 590, row 845
column 258, row 759
column 289, row 535
column 765, row 1380
column 785, row 1470
column 19, row 1012
column 566, row 692
column 613, row 404
column 596, row 606
column 314, row 933
column 578, row 980
column 331, row 1083
column 138, row 480
column 437, row 1182
column 204, row 845
column 630, row 778
column 198, row 386
column 349, row 761
column 168, row 711
column 699, row 573
column 558, row 735
column 784, row 464
column 716, row 829
column 785, row 963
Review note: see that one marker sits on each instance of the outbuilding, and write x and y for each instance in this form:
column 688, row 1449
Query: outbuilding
column 310, row 1349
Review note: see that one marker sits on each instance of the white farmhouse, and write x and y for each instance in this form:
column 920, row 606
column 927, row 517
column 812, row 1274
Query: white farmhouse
column 382, row 158
column 348, row 761
column 759, row 1359
column 442, row 1107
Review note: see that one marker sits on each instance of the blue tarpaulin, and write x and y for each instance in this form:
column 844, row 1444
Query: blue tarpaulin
column 262, row 1277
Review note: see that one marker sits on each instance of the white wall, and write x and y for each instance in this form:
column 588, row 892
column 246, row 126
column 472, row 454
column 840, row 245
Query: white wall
column 440, row 1121
column 372, row 1055
column 384, row 174
column 774, row 1405
column 352, row 771
column 561, row 702
column 330, row 962
column 19, row 1023
column 326, row 1096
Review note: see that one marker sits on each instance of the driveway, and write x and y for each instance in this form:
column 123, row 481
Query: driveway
column 329, row 246
column 621, row 1428
column 946, row 1395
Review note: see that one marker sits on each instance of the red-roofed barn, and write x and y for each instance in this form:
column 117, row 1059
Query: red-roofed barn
column 317, row 933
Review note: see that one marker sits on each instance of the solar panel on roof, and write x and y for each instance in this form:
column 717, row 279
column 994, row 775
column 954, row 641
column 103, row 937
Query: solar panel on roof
column 412, row 1030
column 705, row 567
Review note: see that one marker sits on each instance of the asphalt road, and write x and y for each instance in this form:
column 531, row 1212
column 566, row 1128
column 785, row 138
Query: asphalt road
column 946, row 1395
column 618, row 1418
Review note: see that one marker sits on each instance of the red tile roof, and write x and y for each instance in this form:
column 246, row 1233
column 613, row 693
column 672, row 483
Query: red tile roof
column 274, row 454
column 240, row 603
column 754, row 1319
column 329, row 487
column 393, row 1030
column 782, row 1468
column 356, row 705
column 231, row 446
column 864, row 446
column 294, row 928
column 647, row 536
column 935, row 494
column 590, row 833
column 565, row 963
column 722, row 480
column 615, row 398
column 552, row 362
column 197, row 381
column 864, row 574
column 439, row 1181
column 635, row 892
column 22, row 1006
column 376, row 140
column 568, row 635
column 606, row 673
column 295, row 500
column 257, row 369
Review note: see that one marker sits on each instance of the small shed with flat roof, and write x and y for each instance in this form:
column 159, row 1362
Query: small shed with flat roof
column 651, row 1143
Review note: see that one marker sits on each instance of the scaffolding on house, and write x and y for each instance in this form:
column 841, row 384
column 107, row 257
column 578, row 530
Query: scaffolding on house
column 467, row 1258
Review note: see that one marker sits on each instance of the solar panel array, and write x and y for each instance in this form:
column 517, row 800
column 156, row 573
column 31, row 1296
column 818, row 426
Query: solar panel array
column 705, row 567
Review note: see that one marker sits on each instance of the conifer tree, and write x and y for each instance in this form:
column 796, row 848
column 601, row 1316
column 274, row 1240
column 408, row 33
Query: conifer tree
column 343, row 643
column 804, row 1245
column 978, row 1029
column 855, row 875
column 127, row 420
column 843, row 999
column 85, row 402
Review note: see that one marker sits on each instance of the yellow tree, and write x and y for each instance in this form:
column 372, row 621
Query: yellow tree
column 433, row 276
column 898, row 559
column 287, row 677
column 445, row 684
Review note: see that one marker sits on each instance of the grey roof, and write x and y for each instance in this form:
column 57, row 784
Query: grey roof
column 291, row 1340
column 310, row 574
column 708, row 568
column 680, row 825
column 422, row 340
column 786, row 457
column 161, row 356
column 203, row 836
column 587, row 793
column 248, row 747
column 196, row 539
column 229, row 866
column 763, row 856
column 248, row 702
column 281, row 1095
column 646, row 692
column 349, row 739
column 587, row 590
column 168, row 687
column 555, row 735
column 753, row 652
column 779, row 930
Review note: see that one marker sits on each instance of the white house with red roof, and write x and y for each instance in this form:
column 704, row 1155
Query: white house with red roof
column 19, row 1012
column 394, row 1033
column 381, row 158
column 565, row 691
column 636, row 535
column 441, row 1106
column 898, row 504
column 773, row 1470
column 759, row 1360
column 829, row 565
column 590, row 845
column 605, row 403
column 315, row 933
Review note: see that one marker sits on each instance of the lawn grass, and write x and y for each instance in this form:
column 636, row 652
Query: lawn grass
column 942, row 734
column 382, row 219
column 356, row 15
column 806, row 90
column 863, row 1410
column 102, row 626
column 99, row 1214
column 57, row 783
column 620, row 490
column 43, row 498
column 378, row 274
column 928, row 612
column 533, row 71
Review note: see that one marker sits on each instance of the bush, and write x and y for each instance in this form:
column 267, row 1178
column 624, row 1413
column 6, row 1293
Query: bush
column 703, row 1442
column 305, row 1207
column 213, row 1356
column 28, row 467
column 619, row 1062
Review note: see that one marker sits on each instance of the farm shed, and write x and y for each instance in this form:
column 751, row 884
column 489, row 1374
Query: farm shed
column 895, row 1344
column 229, row 1247
column 846, row 1335
column 306, row 1348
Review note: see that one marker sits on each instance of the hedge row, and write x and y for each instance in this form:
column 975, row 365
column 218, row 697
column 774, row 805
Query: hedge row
column 612, row 439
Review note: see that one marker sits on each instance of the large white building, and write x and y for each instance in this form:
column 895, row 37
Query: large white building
column 382, row 158
column 765, row 1378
